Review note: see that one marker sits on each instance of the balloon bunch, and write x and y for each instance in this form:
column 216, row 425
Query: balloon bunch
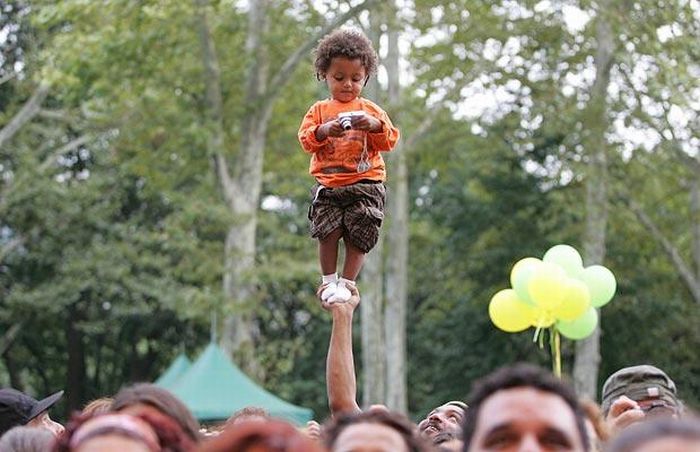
column 556, row 292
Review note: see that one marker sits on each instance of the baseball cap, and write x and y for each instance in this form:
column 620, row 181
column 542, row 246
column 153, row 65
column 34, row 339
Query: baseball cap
column 17, row 408
column 639, row 383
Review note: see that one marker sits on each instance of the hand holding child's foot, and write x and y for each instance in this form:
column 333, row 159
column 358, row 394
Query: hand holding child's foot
column 350, row 304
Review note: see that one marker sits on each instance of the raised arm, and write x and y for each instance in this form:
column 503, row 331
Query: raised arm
column 340, row 364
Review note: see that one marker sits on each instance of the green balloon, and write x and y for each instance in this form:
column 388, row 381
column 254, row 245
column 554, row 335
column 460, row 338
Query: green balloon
column 581, row 327
column 520, row 277
column 566, row 257
column 601, row 284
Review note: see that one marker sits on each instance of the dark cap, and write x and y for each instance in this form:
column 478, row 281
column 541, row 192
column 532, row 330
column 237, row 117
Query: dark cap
column 639, row 383
column 17, row 408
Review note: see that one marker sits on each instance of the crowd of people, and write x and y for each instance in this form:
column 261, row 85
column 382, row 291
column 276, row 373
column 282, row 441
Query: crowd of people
column 516, row 408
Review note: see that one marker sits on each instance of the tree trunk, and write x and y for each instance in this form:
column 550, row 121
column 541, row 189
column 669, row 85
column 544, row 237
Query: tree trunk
column 397, row 248
column 695, row 221
column 372, row 306
column 75, row 386
column 587, row 358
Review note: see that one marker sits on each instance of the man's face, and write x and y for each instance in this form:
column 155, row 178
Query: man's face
column 525, row 419
column 443, row 419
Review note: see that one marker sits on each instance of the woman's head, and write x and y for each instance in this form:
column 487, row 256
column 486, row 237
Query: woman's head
column 147, row 432
column 107, row 433
column 147, row 398
column 375, row 430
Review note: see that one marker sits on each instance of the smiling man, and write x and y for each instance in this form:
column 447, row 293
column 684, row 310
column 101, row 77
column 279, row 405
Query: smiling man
column 444, row 423
column 524, row 408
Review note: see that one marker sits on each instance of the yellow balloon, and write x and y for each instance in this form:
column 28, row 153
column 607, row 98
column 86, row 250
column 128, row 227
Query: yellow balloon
column 576, row 301
column 509, row 313
column 541, row 318
column 547, row 286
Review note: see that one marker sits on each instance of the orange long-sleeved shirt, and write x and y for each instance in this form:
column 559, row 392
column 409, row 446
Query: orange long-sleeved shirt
column 334, row 161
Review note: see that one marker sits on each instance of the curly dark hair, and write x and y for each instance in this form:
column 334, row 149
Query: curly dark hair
column 520, row 375
column 394, row 421
column 348, row 43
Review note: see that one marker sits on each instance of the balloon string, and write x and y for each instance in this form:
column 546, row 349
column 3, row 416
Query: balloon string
column 537, row 333
column 555, row 346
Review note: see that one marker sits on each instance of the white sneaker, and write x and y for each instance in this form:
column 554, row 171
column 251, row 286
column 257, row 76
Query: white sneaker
column 341, row 295
column 329, row 291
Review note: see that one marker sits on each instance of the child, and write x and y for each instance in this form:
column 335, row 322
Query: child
column 348, row 198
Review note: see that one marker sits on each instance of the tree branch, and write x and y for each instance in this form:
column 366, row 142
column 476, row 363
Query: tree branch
column 26, row 113
column 57, row 115
column 9, row 337
column 693, row 164
column 71, row 145
column 671, row 251
column 8, row 247
column 293, row 60
column 214, row 104
column 7, row 77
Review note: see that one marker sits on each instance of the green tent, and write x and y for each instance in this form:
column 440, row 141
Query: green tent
column 173, row 373
column 213, row 388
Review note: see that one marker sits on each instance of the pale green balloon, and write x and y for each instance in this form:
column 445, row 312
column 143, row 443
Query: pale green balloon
column 566, row 257
column 520, row 276
column 579, row 328
column 601, row 284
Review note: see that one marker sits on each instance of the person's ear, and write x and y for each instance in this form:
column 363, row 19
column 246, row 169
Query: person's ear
column 320, row 76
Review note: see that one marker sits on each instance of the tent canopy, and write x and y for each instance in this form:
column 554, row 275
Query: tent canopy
column 214, row 388
column 177, row 369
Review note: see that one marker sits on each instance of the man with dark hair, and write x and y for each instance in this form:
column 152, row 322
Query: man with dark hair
column 524, row 408
column 17, row 408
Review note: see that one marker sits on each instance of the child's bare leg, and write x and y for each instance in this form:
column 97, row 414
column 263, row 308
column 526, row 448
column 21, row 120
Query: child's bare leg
column 328, row 251
column 354, row 258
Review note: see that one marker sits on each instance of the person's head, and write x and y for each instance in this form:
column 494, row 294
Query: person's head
column 27, row 439
column 659, row 435
column 597, row 429
column 649, row 386
column 17, row 408
column 260, row 436
column 98, row 406
column 148, row 398
column 345, row 59
column 375, row 431
column 444, row 422
column 147, row 432
column 523, row 406
column 249, row 413
column 108, row 433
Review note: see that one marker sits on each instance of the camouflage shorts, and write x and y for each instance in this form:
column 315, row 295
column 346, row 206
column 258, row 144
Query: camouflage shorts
column 358, row 209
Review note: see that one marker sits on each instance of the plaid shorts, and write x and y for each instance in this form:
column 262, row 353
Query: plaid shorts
column 357, row 208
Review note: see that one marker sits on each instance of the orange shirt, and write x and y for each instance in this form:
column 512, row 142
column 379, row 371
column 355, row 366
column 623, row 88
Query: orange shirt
column 335, row 160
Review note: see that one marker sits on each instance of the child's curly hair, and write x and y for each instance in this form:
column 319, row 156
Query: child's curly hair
column 348, row 43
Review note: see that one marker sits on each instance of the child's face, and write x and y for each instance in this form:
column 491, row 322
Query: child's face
column 345, row 78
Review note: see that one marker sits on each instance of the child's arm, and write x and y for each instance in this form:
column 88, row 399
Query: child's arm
column 385, row 137
column 313, row 133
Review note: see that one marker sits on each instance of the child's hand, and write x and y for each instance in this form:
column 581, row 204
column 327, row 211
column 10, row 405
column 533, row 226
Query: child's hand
column 329, row 129
column 367, row 123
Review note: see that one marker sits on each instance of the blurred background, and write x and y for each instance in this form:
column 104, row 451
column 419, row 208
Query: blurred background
column 153, row 194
